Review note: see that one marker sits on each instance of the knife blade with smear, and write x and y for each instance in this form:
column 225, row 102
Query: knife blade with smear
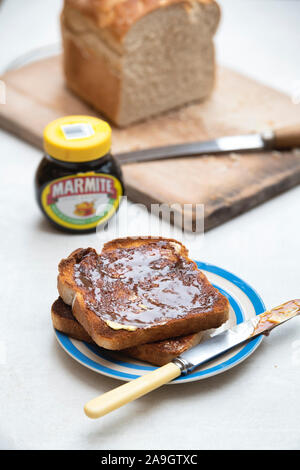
column 278, row 139
column 213, row 347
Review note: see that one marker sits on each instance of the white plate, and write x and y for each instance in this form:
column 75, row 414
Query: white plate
column 244, row 303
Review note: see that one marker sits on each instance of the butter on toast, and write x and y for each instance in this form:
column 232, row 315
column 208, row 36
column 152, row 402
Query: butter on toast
column 139, row 291
column 158, row 353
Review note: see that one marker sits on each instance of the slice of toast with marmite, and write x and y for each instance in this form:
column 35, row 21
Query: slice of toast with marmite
column 139, row 291
column 158, row 353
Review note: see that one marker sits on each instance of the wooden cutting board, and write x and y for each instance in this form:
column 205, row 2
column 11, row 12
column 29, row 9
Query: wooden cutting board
column 226, row 185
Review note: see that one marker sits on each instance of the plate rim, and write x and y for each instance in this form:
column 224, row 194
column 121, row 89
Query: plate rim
column 248, row 349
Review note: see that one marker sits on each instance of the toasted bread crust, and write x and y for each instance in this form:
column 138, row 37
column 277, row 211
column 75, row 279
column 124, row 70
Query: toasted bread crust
column 158, row 353
column 162, row 352
column 118, row 16
column 63, row 320
column 195, row 320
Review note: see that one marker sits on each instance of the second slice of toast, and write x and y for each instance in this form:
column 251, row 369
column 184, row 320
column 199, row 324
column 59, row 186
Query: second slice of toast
column 139, row 291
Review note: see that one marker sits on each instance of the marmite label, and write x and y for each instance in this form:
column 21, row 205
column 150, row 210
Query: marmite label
column 82, row 201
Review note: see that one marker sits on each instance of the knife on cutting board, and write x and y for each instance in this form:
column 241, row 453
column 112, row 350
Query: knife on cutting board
column 277, row 139
column 203, row 352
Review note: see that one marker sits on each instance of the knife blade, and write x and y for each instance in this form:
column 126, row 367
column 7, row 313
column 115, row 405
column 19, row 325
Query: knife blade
column 287, row 137
column 200, row 354
column 237, row 335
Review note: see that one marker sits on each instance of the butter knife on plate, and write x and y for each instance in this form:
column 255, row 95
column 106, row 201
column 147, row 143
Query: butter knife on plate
column 200, row 354
column 277, row 139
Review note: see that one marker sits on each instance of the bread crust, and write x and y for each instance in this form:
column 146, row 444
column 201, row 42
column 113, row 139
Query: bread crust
column 163, row 352
column 158, row 353
column 85, row 71
column 118, row 16
column 103, row 335
column 63, row 320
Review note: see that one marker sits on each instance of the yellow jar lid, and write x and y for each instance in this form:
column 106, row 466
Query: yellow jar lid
column 77, row 138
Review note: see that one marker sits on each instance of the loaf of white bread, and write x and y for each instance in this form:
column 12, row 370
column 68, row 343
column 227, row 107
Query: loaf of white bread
column 132, row 59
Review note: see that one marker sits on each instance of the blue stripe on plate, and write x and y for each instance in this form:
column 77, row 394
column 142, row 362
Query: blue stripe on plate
column 104, row 354
column 257, row 302
column 85, row 360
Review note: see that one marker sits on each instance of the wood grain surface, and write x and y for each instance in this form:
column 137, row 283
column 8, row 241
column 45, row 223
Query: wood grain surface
column 226, row 185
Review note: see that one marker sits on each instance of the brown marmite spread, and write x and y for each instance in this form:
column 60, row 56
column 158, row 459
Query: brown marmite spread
column 144, row 285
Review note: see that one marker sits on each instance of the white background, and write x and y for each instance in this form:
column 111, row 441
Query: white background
column 255, row 405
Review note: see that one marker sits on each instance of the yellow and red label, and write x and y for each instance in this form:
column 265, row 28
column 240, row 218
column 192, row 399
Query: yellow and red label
column 82, row 201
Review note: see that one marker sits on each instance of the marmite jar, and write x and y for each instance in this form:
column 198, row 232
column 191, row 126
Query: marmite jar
column 78, row 182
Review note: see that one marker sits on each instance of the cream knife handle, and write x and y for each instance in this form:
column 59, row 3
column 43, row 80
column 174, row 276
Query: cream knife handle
column 118, row 397
column 287, row 137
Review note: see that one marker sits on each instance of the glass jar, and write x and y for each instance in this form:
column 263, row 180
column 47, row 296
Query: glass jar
column 78, row 183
